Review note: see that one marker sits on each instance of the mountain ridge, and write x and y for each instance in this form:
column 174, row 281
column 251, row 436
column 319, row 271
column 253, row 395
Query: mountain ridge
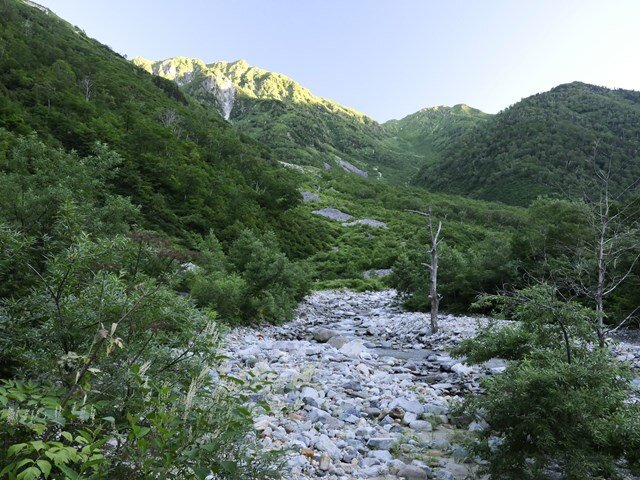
column 301, row 127
column 251, row 80
column 542, row 145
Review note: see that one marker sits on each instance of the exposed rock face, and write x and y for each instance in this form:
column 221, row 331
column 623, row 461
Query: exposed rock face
column 224, row 90
column 377, row 273
column 369, row 222
column 292, row 166
column 310, row 197
column 349, row 167
column 332, row 213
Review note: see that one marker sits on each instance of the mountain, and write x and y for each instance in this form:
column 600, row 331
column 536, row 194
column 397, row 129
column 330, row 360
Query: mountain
column 544, row 144
column 186, row 167
column 429, row 131
column 302, row 128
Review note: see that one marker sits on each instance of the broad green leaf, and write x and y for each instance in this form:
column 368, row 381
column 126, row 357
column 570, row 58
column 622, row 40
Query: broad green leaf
column 13, row 449
column 141, row 431
column 30, row 473
column 7, row 469
column 70, row 474
column 37, row 445
column 45, row 467
column 23, row 462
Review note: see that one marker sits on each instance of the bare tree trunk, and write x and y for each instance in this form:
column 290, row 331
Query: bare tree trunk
column 615, row 229
column 602, row 270
column 433, row 284
column 432, row 265
column 87, row 87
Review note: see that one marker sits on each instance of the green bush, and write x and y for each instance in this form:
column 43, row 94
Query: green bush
column 549, row 414
column 254, row 282
column 464, row 272
column 119, row 367
column 561, row 403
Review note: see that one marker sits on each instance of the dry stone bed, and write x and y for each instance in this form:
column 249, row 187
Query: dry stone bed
column 358, row 389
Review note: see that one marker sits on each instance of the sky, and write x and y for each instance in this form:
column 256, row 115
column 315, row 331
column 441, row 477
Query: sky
column 387, row 58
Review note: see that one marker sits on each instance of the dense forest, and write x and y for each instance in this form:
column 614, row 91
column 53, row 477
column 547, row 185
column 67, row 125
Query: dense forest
column 545, row 144
column 183, row 165
column 428, row 132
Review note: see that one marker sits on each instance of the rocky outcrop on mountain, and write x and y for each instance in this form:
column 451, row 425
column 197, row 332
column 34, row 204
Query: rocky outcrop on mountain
column 350, row 167
column 332, row 213
column 369, row 222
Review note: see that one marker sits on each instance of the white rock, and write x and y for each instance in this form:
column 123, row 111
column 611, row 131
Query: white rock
column 354, row 348
column 325, row 444
column 380, row 443
column 407, row 405
column 382, row 455
column 421, row 426
column 461, row 369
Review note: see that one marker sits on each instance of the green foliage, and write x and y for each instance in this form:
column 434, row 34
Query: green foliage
column 255, row 282
column 109, row 364
column 543, row 145
column 544, row 321
column 428, row 132
column 29, row 448
column 553, row 236
column 40, row 185
column 101, row 331
column 464, row 271
column 561, row 403
column 186, row 168
column 300, row 127
column 552, row 414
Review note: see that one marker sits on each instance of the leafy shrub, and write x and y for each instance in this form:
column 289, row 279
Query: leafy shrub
column 254, row 282
column 561, row 403
column 551, row 414
column 464, row 272
column 119, row 367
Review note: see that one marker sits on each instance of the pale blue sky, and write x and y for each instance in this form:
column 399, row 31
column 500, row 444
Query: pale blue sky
column 387, row 58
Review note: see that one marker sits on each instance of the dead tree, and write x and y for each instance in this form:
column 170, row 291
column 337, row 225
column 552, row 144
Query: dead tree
column 170, row 119
column 615, row 228
column 432, row 265
column 86, row 84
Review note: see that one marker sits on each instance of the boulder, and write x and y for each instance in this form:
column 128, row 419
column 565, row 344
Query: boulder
column 461, row 369
column 325, row 444
column 338, row 341
column 407, row 405
column 421, row 426
column 380, row 443
column 353, row 348
column 323, row 335
column 412, row 472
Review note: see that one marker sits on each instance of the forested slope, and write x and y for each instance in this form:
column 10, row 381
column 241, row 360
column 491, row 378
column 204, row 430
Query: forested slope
column 187, row 168
column 300, row 127
column 545, row 144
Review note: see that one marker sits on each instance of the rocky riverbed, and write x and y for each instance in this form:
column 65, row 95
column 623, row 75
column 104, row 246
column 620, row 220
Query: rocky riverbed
column 358, row 388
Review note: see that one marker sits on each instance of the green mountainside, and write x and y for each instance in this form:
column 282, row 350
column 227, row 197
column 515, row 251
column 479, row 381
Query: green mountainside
column 145, row 210
column 187, row 168
column 428, row 132
column 543, row 144
column 176, row 167
column 302, row 128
